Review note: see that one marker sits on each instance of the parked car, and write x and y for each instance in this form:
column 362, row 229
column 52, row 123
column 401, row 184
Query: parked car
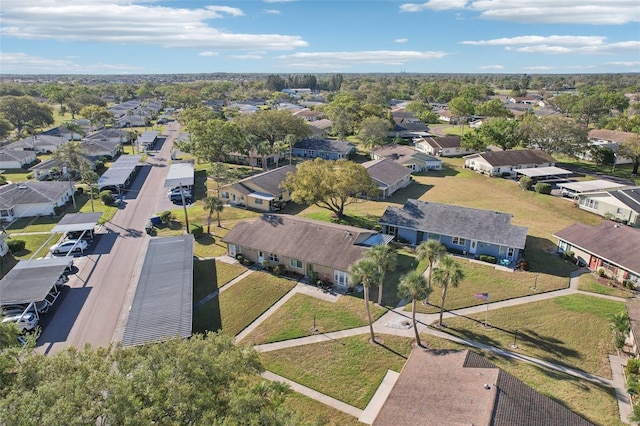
column 75, row 235
column 175, row 192
column 25, row 322
column 67, row 246
column 9, row 310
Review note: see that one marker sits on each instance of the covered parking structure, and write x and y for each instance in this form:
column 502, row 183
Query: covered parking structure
column 181, row 173
column 544, row 174
column 573, row 189
column 120, row 173
column 33, row 281
column 162, row 306
column 83, row 223
column 148, row 139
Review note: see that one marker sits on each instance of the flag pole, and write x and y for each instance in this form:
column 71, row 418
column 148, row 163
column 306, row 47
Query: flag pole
column 486, row 314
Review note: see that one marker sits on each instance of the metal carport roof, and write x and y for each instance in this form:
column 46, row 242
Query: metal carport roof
column 163, row 303
column 77, row 222
column 543, row 171
column 179, row 174
column 119, row 171
column 590, row 185
column 31, row 280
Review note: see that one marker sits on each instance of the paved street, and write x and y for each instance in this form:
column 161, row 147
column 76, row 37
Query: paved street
column 95, row 308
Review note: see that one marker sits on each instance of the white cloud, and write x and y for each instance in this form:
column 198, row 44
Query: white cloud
column 17, row 62
column 491, row 67
column 401, row 40
column 244, row 57
column 538, row 68
column 271, row 11
column 126, row 21
column 278, row 1
column 557, row 44
column 531, row 39
column 208, row 53
column 596, row 12
column 348, row 59
column 625, row 63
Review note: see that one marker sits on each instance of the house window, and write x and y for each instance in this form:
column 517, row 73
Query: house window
column 608, row 266
column 458, row 241
column 510, row 252
column 274, row 257
column 238, row 249
column 295, row 263
column 258, row 201
column 589, row 203
column 225, row 194
column 392, row 230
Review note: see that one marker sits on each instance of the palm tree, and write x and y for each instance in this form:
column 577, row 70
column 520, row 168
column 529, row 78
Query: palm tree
column 88, row 177
column 365, row 272
column 447, row 273
column 415, row 285
column 386, row 259
column 431, row 250
column 212, row 204
column 73, row 128
column 132, row 137
column 620, row 326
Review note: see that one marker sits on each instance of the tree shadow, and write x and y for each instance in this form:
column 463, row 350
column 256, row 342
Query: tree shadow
column 415, row 190
column 206, row 239
column 541, row 257
column 444, row 172
column 206, row 303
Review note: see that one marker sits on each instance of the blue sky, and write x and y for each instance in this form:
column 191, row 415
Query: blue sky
column 319, row 36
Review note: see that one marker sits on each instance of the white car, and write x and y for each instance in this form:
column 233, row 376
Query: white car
column 25, row 322
column 175, row 193
column 67, row 246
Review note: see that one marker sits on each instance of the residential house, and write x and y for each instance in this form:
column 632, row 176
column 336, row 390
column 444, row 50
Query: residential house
column 608, row 247
column 113, row 135
column 461, row 229
column 41, row 144
column 618, row 204
column 33, row 198
column 407, row 129
column 96, row 149
column 16, row 159
column 408, row 157
column 254, row 159
column 308, row 247
column 460, row 387
column 308, row 115
column 320, row 128
column 504, row 163
column 388, row 176
column 328, row 149
column 611, row 139
column 260, row 192
column 443, row 146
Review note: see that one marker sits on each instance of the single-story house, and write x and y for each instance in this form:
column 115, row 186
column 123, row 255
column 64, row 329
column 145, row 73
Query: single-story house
column 100, row 149
column 388, row 175
column 461, row 229
column 254, row 159
column 309, row 115
column 408, row 157
column 45, row 169
column 41, row 144
column 112, row 135
column 320, row 128
column 305, row 246
column 408, row 129
column 504, row 163
column 621, row 205
column 323, row 148
column 16, row 159
column 443, row 146
column 611, row 139
column 460, row 387
column 33, row 198
column 259, row 192
column 609, row 246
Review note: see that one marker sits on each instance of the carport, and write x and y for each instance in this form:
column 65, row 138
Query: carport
column 32, row 281
column 163, row 302
column 544, row 174
column 78, row 222
column 573, row 189
column 120, row 172
column 181, row 173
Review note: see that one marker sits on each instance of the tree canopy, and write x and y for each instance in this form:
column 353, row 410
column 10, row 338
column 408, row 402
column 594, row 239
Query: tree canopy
column 273, row 126
column 20, row 110
column 329, row 184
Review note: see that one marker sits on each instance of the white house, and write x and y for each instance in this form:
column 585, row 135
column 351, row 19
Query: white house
column 33, row 198
column 505, row 163
column 16, row 159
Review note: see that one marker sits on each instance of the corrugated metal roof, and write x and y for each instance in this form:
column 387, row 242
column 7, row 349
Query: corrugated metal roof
column 31, row 280
column 77, row 222
column 119, row 171
column 543, row 171
column 163, row 302
column 179, row 174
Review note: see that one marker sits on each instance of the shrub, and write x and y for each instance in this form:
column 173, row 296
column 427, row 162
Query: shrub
column 30, row 175
column 279, row 269
column 455, row 250
column 195, row 229
column 99, row 165
column 16, row 246
column 633, row 366
column 601, row 273
column 487, row 258
column 526, row 183
column 166, row 216
column 79, row 190
column 569, row 255
column 107, row 198
column 543, row 188
column 239, row 257
column 246, row 262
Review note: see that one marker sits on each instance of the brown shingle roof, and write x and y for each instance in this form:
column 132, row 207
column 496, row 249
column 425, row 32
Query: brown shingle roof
column 515, row 157
column 611, row 241
column 448, row 388
column 443, row 141
column 268, row 181
column 610, row 135
column 386, row 171
column 308, row 240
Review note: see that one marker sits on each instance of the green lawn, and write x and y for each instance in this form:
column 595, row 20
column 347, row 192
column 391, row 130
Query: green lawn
column 313, row 412
column 569, row 330
column 35, row 244
column 33, row 224
column 349, row 369
column 208, row 245
column 295, row 318
column 226, row 272
column 16, row 175
column 588, row 283
column 249, row 298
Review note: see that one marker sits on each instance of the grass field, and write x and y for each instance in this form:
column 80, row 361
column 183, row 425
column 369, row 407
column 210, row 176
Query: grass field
column 35, row 244
column 295, row 318
column 316, row 413
column 589, row 283
column 569, row 330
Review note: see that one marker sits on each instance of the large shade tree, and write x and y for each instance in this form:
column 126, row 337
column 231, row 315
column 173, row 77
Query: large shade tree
column 414, row 285
column 212, row 140
column 365, row 272
column 20, row 110
column 631, row 148
column 447, row 274
column 387, row 259
column 273, row 126
column 328, row 184
column 555, row 135
column 373, row 132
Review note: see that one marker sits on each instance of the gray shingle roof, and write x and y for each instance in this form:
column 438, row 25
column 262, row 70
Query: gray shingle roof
column 268, row 181
column 514, row 157
column 473, row 224
column 446, row 387
column 609, row 240
column 386, row 171
column 15, row 155
column 630, row 197
column 402, row 153
column 325, row 145
column 320, row 243
column 40, row 140
column 31, row 192
column 443, row 141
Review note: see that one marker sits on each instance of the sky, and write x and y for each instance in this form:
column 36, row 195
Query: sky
column 319, row 36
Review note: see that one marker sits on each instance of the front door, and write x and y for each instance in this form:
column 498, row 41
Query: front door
column 260, row 257
column 232, row 250
column 341, row 279
column 472, row 246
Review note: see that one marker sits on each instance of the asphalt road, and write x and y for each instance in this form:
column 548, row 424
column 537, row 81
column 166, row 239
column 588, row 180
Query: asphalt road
column 94, row 309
